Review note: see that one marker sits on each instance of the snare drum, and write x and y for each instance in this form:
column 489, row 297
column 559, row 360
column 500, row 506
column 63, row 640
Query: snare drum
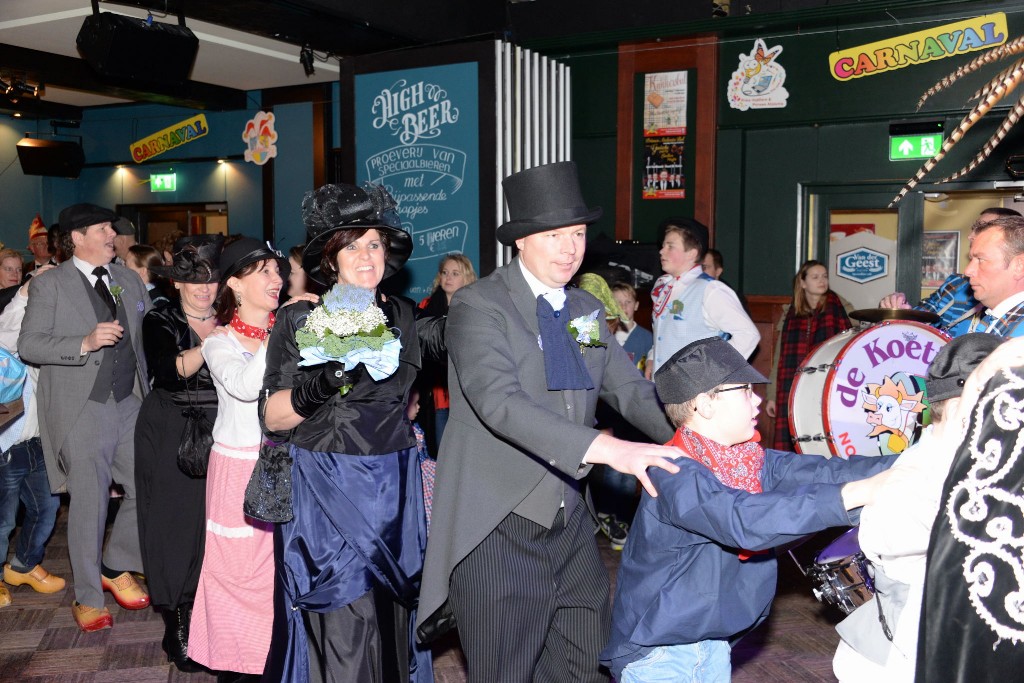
column 840, row 574
column 862, row 391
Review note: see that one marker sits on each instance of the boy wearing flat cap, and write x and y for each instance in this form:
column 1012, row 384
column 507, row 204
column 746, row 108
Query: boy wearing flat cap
column 698, row 571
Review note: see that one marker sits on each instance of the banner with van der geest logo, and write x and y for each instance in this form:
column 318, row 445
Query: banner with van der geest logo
column 417, row 134
column 862, row 265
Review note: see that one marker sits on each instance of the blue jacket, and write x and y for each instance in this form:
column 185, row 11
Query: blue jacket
column 681, row 580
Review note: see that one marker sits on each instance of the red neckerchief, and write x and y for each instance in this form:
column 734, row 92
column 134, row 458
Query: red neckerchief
column 738, row 467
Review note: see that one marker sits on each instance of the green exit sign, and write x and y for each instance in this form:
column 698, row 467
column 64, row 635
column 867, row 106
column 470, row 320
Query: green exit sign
column 914, row 146
column 163, row 182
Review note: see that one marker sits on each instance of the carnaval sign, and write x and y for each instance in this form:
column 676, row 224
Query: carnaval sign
column 169, row 138
column 940, row 42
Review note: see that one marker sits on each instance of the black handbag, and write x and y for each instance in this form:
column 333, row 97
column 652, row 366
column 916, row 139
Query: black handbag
column 268, row 495
column 196, row 437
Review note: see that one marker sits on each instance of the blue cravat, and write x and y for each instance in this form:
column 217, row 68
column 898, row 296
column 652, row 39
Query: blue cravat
column 563, row 362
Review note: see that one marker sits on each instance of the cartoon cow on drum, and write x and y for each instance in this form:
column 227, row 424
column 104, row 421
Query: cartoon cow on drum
column 893, row 411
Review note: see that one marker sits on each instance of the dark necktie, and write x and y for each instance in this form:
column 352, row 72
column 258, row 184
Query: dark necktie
column 101, row 289
column 563, row 363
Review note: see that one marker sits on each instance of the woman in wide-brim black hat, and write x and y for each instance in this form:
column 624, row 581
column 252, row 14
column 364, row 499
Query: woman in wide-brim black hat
column 355, row 478
column 232, row 622
column 171, row 504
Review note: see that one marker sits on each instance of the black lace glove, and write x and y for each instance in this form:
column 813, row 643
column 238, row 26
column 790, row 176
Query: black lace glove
column 318, row 389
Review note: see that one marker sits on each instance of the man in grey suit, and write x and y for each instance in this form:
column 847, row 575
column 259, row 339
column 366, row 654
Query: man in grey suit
column 83, row 327
column 512, row 558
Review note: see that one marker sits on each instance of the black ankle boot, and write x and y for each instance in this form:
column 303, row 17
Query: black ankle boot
column 235, row 677
column 175, row 641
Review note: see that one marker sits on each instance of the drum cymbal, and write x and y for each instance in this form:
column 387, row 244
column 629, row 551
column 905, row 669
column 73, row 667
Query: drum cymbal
column 877, row 315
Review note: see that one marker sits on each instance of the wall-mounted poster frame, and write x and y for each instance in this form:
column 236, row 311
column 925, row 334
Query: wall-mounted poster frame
column 450, row 166
column 694, row 151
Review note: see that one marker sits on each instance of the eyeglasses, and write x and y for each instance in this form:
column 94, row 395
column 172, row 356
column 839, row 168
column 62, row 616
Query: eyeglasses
column 748, row 388
column 11, row 269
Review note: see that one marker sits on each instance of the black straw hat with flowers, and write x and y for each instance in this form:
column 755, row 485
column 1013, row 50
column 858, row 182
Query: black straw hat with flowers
column 342, row 206
column 246, row 250
column 544, row 198
column 195, row 260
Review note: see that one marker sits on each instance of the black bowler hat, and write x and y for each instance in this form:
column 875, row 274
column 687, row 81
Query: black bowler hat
column 195, row 260
column 341, row 206
column 694, row 228
column 544, row 198
column 79, row 216
column 246, row 250
column 955, row 361
column 123, row 226
column 701, row 366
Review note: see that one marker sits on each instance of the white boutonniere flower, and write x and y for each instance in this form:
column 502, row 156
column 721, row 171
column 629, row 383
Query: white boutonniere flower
column 585, row 330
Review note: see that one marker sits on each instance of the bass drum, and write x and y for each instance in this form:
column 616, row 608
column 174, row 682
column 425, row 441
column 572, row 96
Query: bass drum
column 862, row 391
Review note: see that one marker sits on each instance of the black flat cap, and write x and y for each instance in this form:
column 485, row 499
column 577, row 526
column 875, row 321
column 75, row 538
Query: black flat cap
column 79, row 216
column 695, row 228
column 701, row 366
column 955, row 361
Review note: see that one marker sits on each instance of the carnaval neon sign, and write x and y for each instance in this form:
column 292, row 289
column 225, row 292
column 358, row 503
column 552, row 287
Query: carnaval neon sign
column 940, row 42
column 169, row 138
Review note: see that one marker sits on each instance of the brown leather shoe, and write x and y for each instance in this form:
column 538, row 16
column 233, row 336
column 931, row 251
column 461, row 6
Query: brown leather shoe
column 39, row 579
column 5, row 596
column 91, row 619
column 126, row 590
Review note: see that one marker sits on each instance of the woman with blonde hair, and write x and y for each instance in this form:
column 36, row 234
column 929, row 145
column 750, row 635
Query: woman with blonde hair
column 815, row 315
column 454, row 271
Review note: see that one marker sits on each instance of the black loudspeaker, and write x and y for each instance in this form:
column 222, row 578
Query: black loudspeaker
column 59, row 158
column 132, row 49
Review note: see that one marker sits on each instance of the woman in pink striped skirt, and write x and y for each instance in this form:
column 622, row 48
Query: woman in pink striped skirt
column 233, row 613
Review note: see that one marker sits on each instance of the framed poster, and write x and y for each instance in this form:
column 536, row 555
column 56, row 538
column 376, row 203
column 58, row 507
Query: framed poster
column 420, row 129
column 665, row 147
column 940, row 252
column 664, row 135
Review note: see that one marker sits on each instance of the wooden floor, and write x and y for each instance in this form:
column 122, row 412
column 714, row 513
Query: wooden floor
column 40, row 643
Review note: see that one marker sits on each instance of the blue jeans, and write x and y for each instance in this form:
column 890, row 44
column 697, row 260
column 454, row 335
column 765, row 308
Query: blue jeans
column 706, row 661
column 24, row 476
column 440, row 422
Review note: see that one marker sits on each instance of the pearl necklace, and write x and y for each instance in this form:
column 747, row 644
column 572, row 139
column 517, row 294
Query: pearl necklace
column 251, row 331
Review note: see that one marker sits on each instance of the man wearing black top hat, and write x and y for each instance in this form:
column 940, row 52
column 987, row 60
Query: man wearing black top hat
column 83, row 327
column 511, row 558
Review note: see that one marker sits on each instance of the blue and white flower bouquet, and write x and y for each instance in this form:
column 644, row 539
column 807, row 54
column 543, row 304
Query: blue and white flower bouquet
column 349, row 328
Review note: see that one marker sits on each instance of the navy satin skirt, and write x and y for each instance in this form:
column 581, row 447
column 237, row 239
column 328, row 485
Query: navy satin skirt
column 359, row 526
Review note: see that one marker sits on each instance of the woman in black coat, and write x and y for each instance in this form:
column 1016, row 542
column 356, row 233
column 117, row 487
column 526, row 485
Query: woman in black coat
column 171, row 504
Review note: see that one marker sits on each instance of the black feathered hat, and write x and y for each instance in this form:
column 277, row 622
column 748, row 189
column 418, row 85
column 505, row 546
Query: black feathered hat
column 195, row 260
column 342, row 206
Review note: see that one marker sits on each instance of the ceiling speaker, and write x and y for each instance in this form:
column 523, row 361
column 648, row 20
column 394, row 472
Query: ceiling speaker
column 126, row 48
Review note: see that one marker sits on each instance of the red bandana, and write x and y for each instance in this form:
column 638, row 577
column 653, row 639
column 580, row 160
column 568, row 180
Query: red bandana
column 249, row 330
column 738, row 467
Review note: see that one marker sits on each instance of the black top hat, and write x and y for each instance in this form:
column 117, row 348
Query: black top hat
column 695, row 228
column 195, row 260
column 955, row 361
column 701, row 366
column 341, row 206
column 544, row 198
column 246, row 250
column 79, row 216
